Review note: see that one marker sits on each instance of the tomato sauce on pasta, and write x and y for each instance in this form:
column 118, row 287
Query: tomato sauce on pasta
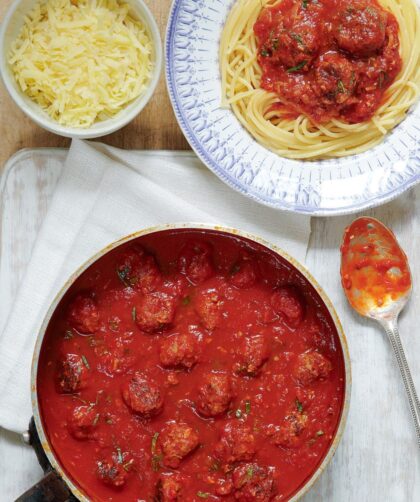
column 315, row 79
column 329, row 59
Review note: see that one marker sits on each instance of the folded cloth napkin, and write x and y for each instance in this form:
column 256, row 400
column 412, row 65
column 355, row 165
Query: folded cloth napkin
column 103, row 194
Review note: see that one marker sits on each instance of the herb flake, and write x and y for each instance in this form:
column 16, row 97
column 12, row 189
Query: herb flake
column 85, row 362
column 119, row 455
column 203, row 495
column 123, row 275
column 127, row 465
column 214, row 466
column 298, row 38
column 238, row 413
column 299, row 405
column 340, row 87
column 68, row 334
column 154, row 442
column 186, row 300
column 114, row 324
column 274, row 44
column 247, row 407
column 297, row 67
column 264, row 53
column 156, row 462
column 133, row 313
column 383, row 77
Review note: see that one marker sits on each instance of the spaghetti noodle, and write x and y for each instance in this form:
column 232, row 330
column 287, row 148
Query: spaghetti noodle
column 288, row 130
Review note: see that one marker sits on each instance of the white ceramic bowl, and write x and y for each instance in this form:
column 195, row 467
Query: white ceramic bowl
column 318, row 187
column 9, row 30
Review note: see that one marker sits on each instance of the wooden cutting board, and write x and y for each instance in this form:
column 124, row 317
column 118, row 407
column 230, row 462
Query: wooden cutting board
column 155, row 128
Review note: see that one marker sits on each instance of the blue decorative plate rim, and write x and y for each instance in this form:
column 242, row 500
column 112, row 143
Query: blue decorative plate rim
column 198, row 147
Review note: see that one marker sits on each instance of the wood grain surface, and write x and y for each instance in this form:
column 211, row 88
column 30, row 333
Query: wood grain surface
column 155, row 128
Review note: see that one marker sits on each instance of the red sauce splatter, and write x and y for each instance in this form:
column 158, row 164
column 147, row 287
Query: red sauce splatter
column 238, row 310
column 374, row 268
column 330, row 58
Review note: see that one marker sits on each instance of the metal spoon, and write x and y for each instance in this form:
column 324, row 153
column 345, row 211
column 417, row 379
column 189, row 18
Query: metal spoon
column 377, row 282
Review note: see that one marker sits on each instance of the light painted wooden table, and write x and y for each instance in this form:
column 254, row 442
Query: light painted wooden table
column 154, row 129
column 378, row 459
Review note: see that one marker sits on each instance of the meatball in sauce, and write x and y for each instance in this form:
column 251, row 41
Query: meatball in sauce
column 328, row 60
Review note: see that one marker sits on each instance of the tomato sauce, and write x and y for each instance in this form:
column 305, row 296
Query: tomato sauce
column 191, row 365
column 328, row 58
column 374, row 269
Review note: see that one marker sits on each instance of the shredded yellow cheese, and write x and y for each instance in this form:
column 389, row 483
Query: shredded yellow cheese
column 82, row 61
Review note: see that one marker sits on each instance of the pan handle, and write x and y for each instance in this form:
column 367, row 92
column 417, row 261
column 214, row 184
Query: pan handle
column 31, row 438
column 51, row 488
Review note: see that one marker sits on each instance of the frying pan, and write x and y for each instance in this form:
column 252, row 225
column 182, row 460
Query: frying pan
column 57, row 486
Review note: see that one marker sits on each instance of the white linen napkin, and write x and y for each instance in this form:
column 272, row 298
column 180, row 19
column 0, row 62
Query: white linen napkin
column 103, row 194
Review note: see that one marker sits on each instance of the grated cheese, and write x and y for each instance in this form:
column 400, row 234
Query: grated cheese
column 82, row 61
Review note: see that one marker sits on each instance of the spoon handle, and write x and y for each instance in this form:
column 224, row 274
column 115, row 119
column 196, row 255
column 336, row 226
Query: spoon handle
column 391, row 329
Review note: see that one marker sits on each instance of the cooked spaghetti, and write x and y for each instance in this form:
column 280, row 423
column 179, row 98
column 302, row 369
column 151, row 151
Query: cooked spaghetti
column 316, row 79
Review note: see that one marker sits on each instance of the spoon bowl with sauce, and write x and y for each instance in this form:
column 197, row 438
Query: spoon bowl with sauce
column 377, row 282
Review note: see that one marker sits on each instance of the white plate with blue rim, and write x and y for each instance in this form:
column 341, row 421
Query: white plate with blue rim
column 323, row 187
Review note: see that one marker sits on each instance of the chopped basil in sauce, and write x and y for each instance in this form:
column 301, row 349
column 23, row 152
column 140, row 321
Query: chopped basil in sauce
column 127, row 465
column 297, row 67
column 340, row 87
column 85, row 362
column 297, row 37
column 154, row 441
column 186, row 300
column 123, row 275
column 299, row 405
column 156, row 459
column 383, row 77
column 114, row 324
column 214, row 466
column 247, row 407
column 68, row 335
